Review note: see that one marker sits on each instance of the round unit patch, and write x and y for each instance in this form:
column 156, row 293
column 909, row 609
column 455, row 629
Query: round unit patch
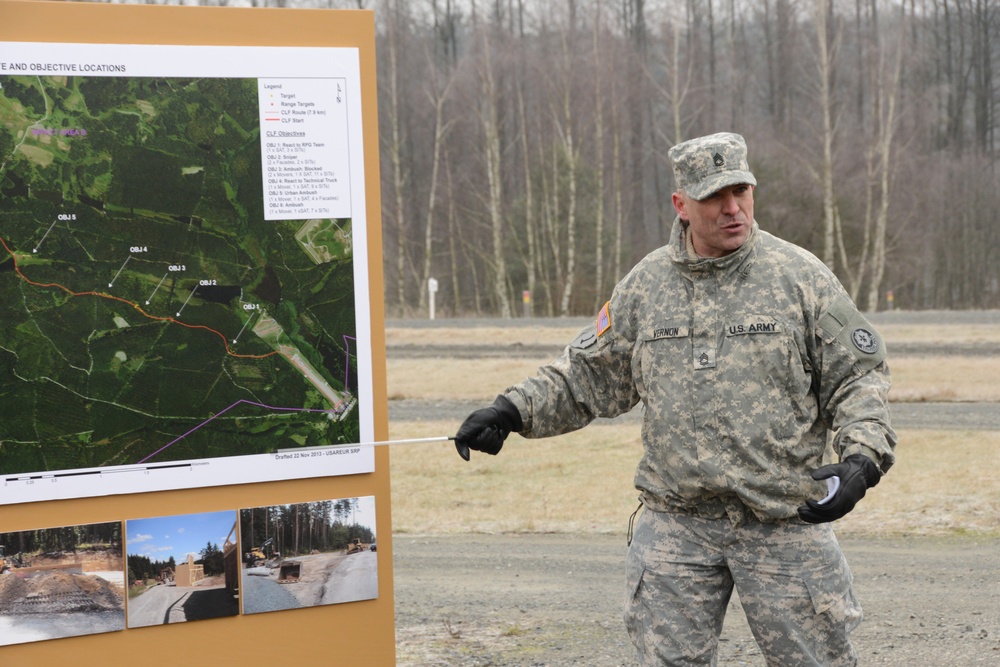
column 865, row 341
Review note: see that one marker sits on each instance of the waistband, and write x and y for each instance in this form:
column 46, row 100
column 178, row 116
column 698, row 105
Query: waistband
column 729, row 507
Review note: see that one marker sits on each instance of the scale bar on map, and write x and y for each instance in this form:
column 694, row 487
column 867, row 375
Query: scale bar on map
column 98, row 471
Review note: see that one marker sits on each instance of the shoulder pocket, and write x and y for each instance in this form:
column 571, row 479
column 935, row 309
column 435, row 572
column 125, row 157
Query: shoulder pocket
column 844, row 323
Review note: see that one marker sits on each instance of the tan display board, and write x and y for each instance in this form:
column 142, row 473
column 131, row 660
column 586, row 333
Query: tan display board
column 300, row 71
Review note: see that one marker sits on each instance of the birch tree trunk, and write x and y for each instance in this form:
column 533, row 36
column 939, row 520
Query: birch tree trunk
column 454, row 240
column 825, row 63
column 530, row 225
column 599, row 159
column 440, row 130
column 571, row 154
column 396, row 158
column 491, row 137
column 887, row 91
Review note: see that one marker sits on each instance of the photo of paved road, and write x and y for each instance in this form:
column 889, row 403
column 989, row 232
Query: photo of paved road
column 329, row 578
column 172, row 580
column 308, row 554
column 170, row 604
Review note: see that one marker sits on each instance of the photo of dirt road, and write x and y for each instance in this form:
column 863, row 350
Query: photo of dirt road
column 178, row 572
column 308, row 554
column 61, row 582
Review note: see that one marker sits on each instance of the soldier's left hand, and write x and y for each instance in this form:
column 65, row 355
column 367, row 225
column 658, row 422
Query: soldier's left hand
column 857, row 474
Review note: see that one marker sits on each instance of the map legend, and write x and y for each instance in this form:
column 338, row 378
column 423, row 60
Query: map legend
column 305, row 161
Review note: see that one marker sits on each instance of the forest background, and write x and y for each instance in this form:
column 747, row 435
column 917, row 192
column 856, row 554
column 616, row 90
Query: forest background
column 524, row 142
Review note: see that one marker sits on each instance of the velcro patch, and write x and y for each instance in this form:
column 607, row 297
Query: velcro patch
column 669, row 332
column 865, row 340
column 604, row 319
column 704, row 358
column 846, row 324
column 584, row 339
column 753, row 327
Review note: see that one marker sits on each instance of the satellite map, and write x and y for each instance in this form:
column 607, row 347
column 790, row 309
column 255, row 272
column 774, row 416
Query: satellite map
column 148, row 310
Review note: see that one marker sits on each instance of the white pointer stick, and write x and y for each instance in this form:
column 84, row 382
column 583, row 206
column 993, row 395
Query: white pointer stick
column 407, row 441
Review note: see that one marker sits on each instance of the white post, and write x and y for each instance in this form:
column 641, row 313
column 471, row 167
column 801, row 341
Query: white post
column 432, row 288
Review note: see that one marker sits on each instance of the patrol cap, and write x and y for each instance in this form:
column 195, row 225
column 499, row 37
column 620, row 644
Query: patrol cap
column 707, row 164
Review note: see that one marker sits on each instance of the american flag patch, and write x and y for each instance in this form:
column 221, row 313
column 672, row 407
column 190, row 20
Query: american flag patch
column 603, row 319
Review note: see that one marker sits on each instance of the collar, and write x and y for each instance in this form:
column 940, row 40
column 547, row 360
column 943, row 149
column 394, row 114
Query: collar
column 682, row 254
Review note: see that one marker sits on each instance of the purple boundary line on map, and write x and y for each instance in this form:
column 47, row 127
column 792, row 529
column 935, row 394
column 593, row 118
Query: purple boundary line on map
column 347, row 361
column 222, row 412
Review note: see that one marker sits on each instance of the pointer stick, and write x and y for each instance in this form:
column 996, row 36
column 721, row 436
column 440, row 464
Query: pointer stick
column 407, row 441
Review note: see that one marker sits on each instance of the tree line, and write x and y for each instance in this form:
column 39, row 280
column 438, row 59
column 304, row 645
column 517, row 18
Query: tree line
column 64, row 539
column 303, row 527
column 524, row 143
column 144, row 568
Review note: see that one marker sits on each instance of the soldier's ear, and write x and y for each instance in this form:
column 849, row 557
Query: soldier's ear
column 680, row 204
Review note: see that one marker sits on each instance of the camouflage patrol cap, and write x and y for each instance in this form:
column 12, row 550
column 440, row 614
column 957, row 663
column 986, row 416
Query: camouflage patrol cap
column 707, row 164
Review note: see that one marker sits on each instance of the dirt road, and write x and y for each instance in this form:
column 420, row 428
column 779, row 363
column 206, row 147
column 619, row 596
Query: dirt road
column 556, row 601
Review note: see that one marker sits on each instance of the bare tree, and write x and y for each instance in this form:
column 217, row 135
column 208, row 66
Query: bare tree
column 571, row 156
column 490, row 122
column 826, row 52
column 437, row 98
column 599, row 131
column 886, row 119
column 395, row 150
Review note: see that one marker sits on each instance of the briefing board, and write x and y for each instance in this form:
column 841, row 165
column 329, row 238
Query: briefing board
column 191, row 316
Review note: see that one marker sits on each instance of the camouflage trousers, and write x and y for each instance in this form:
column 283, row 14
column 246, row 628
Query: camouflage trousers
column 792, row 580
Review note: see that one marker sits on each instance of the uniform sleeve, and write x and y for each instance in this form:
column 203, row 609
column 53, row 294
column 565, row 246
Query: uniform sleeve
column 853, row 384
column 592, row 378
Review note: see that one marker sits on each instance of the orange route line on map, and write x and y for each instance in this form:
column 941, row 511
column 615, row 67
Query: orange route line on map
column 102, row 295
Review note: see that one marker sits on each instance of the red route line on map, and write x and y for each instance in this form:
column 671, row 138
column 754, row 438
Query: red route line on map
column 102, row 295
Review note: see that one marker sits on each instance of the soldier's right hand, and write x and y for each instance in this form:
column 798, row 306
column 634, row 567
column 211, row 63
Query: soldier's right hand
column 485, row 429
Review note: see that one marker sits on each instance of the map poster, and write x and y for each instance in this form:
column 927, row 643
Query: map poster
column 184, row 296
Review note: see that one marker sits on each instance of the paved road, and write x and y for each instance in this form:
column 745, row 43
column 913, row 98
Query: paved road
column 970, row 416
column 354, row 578
column 176, row 604
column 938, row 416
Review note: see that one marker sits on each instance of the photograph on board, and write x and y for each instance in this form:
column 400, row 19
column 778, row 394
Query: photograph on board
column 182, row 568
column 308, row 554
column 61, row 582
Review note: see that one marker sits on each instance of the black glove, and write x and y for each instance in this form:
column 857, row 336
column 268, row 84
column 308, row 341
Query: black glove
column 857, row 474
column 487, row 428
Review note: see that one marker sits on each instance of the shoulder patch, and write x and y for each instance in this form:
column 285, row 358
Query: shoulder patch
column 584, row 339
column 865, row 340
column 604, row 319
column 844, row 323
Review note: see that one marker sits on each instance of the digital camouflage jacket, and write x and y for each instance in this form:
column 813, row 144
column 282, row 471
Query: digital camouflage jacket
column 747, row 366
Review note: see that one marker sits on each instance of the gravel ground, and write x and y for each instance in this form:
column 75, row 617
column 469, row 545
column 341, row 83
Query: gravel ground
column 556, row 601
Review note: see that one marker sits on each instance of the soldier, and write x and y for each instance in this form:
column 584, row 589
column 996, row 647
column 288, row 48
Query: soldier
column 755, row 370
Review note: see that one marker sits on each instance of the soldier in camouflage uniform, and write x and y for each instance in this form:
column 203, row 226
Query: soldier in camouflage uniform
column 749, row 359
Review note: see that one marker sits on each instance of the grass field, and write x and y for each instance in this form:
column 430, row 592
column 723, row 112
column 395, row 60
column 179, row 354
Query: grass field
column 944, row 482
